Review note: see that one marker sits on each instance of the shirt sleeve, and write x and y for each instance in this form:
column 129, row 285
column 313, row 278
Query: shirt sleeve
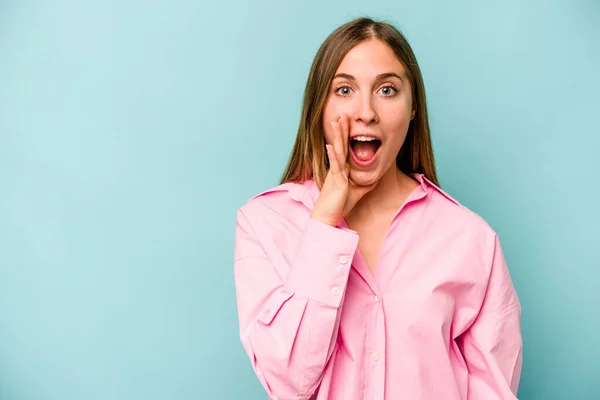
column 289, row 324
column 492, row 346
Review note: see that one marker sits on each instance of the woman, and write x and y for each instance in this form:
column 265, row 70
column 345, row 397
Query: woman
column 358, row 277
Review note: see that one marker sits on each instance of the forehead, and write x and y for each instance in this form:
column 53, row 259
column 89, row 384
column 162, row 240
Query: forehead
column 370, row 57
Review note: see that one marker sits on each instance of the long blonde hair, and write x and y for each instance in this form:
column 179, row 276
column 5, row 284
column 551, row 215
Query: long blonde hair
column 308, row 157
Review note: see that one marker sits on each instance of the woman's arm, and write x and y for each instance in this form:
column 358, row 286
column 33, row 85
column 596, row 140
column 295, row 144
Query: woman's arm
column 288, row 324
column 492, row 346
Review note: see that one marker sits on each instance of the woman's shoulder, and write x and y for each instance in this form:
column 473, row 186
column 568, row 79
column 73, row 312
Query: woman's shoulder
column 453, row 212
column 275, row 191
column 281, row 198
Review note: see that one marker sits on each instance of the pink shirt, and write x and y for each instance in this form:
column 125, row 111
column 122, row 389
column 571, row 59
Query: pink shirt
column 439, row 318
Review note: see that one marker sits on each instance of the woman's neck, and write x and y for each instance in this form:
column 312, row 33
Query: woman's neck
column 389, row 194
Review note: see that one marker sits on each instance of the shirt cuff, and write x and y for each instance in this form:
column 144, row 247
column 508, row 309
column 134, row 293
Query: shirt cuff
column 322, row 264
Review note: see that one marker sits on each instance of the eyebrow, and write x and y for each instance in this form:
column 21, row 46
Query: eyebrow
column 379, row 77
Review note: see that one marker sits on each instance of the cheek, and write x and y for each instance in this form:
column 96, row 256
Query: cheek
column 396, row 123
column 327, row 128
column 396, row 118
column 331, row 113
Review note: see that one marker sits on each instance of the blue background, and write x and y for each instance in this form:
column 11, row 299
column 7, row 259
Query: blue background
column 130, row 132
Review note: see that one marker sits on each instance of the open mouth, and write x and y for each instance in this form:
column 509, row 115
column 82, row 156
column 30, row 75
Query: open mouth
column 364, row 150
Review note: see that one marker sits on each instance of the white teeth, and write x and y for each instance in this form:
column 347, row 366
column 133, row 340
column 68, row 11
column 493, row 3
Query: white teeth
column 364, row 138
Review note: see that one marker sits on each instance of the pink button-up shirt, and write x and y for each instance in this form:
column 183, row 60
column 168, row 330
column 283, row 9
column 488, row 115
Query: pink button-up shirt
column 439, row 318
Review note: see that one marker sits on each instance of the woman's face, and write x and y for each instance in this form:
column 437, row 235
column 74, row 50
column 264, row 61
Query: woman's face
column 371, row 88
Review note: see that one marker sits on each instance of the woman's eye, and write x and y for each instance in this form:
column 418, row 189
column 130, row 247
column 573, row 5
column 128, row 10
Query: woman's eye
column 388, row 90
column 343, row 90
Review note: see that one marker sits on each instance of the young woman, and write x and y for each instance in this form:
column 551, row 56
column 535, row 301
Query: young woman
column 358, row 277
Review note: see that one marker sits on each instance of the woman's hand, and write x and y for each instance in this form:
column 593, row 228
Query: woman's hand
column 338, row 194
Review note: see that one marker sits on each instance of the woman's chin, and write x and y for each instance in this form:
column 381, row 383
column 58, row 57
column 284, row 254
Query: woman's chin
column 363, row 178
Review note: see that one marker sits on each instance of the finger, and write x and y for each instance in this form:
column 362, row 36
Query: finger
column 333, row 164
column 338, row 145
column 345, row 127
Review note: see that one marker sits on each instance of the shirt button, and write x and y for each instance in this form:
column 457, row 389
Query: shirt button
column 376, row 298
column 335, row 291
column 375, row 356
column 343, row 260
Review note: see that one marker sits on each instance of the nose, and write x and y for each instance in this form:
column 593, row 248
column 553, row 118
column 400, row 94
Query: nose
column 364, row 109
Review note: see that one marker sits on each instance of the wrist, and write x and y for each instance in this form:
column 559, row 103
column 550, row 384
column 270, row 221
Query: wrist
column 325, row 220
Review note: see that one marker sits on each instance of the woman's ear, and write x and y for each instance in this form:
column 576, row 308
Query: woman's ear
column 412, row 114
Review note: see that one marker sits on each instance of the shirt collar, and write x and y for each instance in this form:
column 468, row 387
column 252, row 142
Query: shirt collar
column 308, row 192
column 425, row 183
